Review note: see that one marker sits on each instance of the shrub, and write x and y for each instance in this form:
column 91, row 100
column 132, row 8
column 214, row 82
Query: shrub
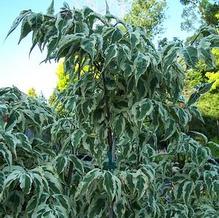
column 123, row 148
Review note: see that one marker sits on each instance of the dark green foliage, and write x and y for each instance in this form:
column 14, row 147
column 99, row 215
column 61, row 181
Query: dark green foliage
column 122, row 148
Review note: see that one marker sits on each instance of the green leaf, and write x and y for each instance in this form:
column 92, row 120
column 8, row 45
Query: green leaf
column 134, row 39
column 142, row 109
column 38, row 182
column 77, row 164
column 119, row 125
column 215, row 188
column 145, row 109
column 196, row 113
column 69, row 41
column 63, row 200
column 187, row 190
column 170, row 129
column 141, row 183
column 117, row 35
column 199, row 137
column 149, row 171
column 24, row 142
column 11, row 141
column 25, row 29
column 25, row 183
column 54, row 183
column 110, row 54
column 50, row 10
column 120, row 208
column 190, row 55
column 201, row 155
column 97, row 208
column 109, row 185
column 205, row 54
column 141, row 64
column 124, row 56
column 87, row 181
column 183, row 116
column 198, row 188
column 13, row 176
column 77, row 137
column 6, row 153
column 193, row 98
column 170, row 57
column 203, row 88
column 212, row 39
column 31, row 205
column 61, row 163
column 17, row 21
column 88, row 45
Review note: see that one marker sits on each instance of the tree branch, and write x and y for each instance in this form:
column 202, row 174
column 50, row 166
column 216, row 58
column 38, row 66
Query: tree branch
column 111, row 151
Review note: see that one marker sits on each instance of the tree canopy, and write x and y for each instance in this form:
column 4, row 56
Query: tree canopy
column 207, row 10
column 147, row 14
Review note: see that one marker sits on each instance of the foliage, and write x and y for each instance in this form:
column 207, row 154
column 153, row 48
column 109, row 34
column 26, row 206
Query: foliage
column 63, row 79
column 25, row 151
column 147, row 14
column 123, row 148
column 206, row 11
column 214, row 76
column 210, row 12
column 208, row 104
column 32, row 92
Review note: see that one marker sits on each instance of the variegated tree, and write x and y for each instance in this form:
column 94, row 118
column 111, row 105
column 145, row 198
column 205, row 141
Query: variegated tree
column 123, row 147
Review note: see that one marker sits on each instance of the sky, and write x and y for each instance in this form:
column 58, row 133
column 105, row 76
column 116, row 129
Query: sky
column 17, row 68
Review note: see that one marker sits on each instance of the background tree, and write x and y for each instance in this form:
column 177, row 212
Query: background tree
column 208, row 11
column 147, row 14
column 205, row 11
column 63, row 79
column 208, row 104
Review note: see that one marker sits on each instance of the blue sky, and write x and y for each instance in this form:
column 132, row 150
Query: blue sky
column 16, row 68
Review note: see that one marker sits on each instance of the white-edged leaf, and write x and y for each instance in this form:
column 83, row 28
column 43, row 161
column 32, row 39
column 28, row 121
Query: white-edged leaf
column 119, row 125
column 111, row 185
column 141, row 64
column 190, row 55
column 6, row 153
column 77, row 137
column 87, row 180
column 88, row 45
column 25, row 183
column 17, row 21
column 61, row 163
column 110, row 54
column 77, row 164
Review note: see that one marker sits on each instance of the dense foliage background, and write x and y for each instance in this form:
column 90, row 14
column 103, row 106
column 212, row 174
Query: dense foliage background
column 117, row 140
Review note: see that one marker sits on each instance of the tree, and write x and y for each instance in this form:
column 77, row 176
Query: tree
column 123, row 148
column 207, row 10
column 147, row 14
